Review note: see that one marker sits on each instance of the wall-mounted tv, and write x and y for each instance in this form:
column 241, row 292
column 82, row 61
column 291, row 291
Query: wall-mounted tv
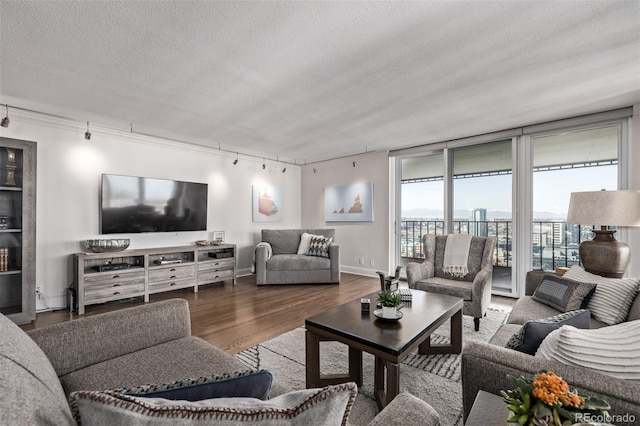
column 131, row 204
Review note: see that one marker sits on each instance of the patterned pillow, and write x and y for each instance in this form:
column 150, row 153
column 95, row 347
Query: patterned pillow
column 319, row 246
column 533, row 332
column 328, row 406
column 250, row 384
column 612, row 350
column 563, row 294
column 611, row 302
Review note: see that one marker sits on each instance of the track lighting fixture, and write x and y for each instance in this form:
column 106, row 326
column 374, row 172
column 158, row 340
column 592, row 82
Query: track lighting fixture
column 5, row 120
column 263, row 165
column 87, row 134
column 314, row 170
column 236, row 160
column 354, row 164
column 284, row 169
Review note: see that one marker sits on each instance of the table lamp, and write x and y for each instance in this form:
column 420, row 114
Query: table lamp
column 604, row 255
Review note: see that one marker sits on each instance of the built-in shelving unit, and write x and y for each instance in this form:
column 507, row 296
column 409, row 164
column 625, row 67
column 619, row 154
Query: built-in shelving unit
column 105, row 277
column 18, row 229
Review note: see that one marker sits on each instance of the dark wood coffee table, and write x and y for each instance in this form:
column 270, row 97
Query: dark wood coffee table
column 389, row 341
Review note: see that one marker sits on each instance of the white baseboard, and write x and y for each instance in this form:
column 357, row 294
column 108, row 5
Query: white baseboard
column 359, row 271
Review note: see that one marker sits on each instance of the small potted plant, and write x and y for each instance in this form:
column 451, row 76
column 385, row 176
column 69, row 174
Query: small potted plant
column 390, row 301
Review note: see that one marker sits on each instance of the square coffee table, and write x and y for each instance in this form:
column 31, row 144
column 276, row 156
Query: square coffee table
column 389, row 341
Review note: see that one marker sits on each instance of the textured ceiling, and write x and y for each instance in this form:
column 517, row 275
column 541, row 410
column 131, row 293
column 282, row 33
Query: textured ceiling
column 316, row 80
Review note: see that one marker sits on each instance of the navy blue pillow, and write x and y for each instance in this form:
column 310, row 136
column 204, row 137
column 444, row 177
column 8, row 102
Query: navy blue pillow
column 533, row 332
column 251, row 384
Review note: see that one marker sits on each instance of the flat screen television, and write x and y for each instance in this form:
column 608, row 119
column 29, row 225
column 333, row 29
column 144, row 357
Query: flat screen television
column 131, row 204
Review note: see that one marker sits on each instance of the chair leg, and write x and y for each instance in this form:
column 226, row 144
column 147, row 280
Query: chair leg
column 476, row 323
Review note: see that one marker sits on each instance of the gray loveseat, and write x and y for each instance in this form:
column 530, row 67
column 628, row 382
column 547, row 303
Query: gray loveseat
column 277, row 261
column 151, row 343
column 486, row 365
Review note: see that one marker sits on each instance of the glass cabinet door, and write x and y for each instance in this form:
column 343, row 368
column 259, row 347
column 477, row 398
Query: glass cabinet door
column 17, row 229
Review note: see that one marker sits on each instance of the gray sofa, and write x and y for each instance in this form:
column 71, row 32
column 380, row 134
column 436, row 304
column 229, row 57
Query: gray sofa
column 285, row 266
column 151, row 343
column 486, row 365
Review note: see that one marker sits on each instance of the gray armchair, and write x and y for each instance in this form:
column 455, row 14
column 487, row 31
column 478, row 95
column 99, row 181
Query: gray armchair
column 474, row 288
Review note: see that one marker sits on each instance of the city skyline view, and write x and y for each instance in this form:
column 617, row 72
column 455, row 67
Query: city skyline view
column 551, row 193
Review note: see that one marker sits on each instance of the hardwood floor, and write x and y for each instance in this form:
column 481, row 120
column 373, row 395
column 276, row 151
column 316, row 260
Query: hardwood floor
column 238, row 317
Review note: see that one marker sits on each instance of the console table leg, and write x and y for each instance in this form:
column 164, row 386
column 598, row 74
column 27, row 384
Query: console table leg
column 355, row 365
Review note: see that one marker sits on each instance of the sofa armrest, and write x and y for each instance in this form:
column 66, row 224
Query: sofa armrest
column 406, row 410
column 485, row 367
column 334, row 255
column 418, row 271
column 262, row 253
column 73, row 345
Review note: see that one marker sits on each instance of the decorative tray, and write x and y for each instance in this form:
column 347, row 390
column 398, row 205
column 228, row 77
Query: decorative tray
column 378, row 314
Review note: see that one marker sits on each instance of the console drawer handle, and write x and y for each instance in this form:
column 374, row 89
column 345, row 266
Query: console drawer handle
column 116, row 276
column 116, row 285
column 172, row 269
column 172, row 284
column 172, row 277
column 116, row 293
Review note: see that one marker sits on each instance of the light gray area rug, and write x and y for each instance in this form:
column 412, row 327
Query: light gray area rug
column 434, row 378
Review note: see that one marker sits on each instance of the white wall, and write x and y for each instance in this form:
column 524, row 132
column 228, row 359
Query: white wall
column 68, row 182
column 367, row 240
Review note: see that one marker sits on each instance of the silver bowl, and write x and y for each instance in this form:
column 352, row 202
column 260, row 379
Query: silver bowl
column 105, row 246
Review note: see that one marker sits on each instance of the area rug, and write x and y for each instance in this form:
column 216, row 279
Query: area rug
column 432, row 378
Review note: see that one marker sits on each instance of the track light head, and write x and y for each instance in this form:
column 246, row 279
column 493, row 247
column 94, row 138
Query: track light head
column 5, row 120
column 314, row 170
column 235, row 161
column 284, row 170
column 354, row 164
column 263, row 165
column 87, row 134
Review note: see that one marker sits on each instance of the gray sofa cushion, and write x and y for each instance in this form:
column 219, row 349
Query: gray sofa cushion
column 31, row 392
column 504, row 333
column 286, row 241
column 296, row 262
column 328, row 406
column 189, row 357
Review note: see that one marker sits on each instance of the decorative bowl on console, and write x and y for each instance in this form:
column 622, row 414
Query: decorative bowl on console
column 105, row 246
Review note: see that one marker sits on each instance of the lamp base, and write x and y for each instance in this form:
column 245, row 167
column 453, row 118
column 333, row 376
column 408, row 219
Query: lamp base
column 604, row 255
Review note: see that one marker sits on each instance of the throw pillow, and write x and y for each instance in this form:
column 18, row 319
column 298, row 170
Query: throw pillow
column 328, row 406
column 305, row 241
column 563, row 294
column 612, row 350
column 250, row 384
column 319, row 246
column 533, row 332
column 613, row 297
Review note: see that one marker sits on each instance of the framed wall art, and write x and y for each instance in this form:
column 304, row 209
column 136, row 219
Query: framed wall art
column 267, row 203
column 349, row 203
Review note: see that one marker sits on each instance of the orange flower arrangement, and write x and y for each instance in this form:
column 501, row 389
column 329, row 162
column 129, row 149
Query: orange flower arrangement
column 552, row 390
column 547, row 401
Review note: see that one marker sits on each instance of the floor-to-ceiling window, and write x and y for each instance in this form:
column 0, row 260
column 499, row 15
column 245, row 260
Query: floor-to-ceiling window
column 474, row 185
column 482, row 187
column 422, row 200
column 566, row 162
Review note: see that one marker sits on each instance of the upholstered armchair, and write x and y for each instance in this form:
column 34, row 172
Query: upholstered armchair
column 474, row 288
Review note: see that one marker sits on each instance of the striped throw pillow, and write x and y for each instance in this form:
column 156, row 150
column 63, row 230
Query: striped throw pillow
column 613, row 297
column 612, row 350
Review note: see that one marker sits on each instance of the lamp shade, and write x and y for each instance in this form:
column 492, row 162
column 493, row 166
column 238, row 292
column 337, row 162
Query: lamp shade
column 605, row 208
